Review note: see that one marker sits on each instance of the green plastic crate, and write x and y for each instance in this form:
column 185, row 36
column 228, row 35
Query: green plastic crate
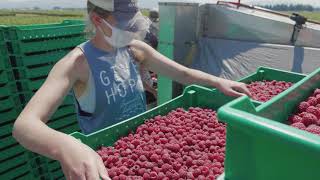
column 6, row 142
column 32, row 73
column 2, row 33
column 6, row 76
column 33, row 32
column 193, row 96
column 11, row 163
column 11, row 152
column 21, row 48
column 44, row 58
column 260, row 146
column 8, row 89
column 30, row 85
column 4, row 58
column 9, row 116
column 15, row 173
column 269, row 74
column 9, row 103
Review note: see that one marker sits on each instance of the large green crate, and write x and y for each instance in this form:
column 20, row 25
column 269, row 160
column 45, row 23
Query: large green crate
column 9, row 116
column 22, row 48
column 2, row 33
column 15, row 173
column 9, row 103
column 8, row 89
column 194, row 96
column 4, row 58
column 269, row 74
column 32, row 73
column 13, row 162
column 260, row 146
column 33, row 32
column 37, row 59
column 6, row 76
column 11, row 152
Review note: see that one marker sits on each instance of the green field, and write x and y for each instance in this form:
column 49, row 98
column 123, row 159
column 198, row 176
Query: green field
column 55, row 16
column 41, row 16
column 38, row 17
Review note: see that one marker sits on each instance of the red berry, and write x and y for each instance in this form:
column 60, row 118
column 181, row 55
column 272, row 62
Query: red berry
column 299, row 125
column 313, row 110
column 316, row 92
column 313, row 129
column 303, row 106
column 312, row 101
column 146, row 176
column 308, row 118
column 295, row 119
column 153, row 175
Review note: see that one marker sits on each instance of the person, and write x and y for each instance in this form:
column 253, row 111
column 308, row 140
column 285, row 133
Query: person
column 103, row 74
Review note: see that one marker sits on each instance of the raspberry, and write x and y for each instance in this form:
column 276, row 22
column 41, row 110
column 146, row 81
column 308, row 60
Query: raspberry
column 303, row 106
column 166, row 167
column 295, row 119
column 161, row 175
column 313, row 129
column 112, row 173
column 182, row 173
column 316, row 92
column 312, row 101
column 308, row 119
column 142, row 171
column 299, row 125
column 205, row 170
column 122, row 177
column 153, row 175
column 313, row 110
column 154, row 157
column 146, row 176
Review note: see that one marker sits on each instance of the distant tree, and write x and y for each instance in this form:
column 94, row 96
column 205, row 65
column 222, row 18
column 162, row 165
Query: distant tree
column 36, row 8
column 291, row 7
column 56, row 8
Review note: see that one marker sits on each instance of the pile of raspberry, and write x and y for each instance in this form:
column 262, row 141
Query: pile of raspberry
column 265, row 90
column 308, row 114
column 181, row 145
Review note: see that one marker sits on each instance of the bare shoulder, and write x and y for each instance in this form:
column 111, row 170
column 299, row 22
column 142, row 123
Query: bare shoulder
column 73, row 63
column 141, row 50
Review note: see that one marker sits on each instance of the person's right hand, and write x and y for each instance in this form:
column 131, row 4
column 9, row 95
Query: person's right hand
column 80, row 162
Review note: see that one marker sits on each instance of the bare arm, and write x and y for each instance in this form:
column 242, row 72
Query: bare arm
column 158, row 63
column 31, row 131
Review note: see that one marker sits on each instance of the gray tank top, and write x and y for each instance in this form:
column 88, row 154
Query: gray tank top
column 119, row 92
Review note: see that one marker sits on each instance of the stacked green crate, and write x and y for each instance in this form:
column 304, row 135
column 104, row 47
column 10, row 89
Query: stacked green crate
column 13, row 165
column 33, row 51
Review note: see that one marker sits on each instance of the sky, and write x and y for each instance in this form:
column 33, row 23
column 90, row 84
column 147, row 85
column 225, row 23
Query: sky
column 48, row 4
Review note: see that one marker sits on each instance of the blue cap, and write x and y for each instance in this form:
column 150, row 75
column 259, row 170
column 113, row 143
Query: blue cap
column 124, row 12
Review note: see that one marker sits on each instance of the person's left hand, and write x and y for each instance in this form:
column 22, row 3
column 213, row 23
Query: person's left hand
column 233, row 88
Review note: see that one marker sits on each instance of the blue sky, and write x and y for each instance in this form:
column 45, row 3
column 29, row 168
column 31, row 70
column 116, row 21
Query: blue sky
column 142, row 3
